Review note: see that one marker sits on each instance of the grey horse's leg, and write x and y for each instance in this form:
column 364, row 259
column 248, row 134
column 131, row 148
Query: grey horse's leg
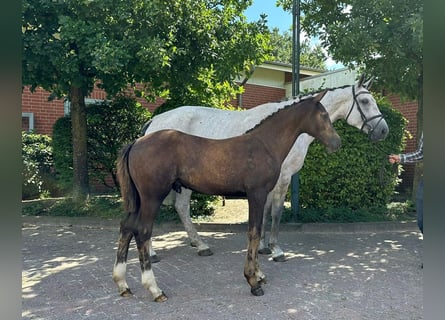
column 182, row 206
column 263, row 247
column 279, row 195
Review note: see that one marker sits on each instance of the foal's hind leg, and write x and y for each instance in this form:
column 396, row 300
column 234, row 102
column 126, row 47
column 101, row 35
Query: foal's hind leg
column 120, row 265
column 147, row 277
column 142, row 235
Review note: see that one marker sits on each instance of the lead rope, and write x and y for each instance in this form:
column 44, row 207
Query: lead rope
column 383, row 178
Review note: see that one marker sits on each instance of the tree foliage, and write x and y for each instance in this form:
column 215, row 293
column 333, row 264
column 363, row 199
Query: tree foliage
column 110, row 125
column 384, row 36
column 310, row 56
column 188, row 50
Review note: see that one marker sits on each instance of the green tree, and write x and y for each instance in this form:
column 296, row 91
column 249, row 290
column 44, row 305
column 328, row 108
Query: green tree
column 181, row 49
column 110, row 125
column 385, row 37
column 310, row 56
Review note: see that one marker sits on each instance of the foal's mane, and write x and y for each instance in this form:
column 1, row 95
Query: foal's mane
column 300, row 98
column 279, row 110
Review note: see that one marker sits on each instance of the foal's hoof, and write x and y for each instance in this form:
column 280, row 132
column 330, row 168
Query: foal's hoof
column 280, row 258
column 265, row 251
column 161, row 298
column 257, row 291
column 126, row 293
column 205, row 252
column 154, row 259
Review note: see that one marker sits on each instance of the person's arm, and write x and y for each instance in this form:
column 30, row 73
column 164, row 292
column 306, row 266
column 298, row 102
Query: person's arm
column 409, row 157
column 415, row 156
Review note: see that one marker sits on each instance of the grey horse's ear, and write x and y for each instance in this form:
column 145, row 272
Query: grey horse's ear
column 368, row 83
column 362, row 79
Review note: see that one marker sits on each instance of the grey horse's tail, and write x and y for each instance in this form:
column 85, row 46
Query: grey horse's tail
column 130, row 195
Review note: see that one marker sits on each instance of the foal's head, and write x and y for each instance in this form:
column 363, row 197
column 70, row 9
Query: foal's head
column 320, row 126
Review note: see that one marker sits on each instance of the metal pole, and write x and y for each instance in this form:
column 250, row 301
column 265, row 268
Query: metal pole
column 295, row 92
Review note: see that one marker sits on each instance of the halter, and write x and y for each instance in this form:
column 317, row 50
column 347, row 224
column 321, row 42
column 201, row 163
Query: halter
column 362, row 114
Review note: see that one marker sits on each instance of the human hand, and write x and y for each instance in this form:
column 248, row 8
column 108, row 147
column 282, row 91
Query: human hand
column 394, row 158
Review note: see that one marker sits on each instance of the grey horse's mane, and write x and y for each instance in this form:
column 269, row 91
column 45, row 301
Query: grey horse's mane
column 311, row 93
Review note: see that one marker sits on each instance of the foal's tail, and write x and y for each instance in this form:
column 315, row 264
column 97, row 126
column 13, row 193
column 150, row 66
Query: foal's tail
column 129, row 193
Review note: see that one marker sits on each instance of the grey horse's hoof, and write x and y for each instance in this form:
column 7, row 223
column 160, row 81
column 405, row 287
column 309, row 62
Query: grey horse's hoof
column 205, row 252
column 280, row 258
column 126, row 293
column 161, row 298
column 258, row 291
column 154, row 259
column 265, row 251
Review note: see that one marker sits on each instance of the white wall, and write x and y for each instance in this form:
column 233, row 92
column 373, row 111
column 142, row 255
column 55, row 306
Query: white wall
column 330, row 79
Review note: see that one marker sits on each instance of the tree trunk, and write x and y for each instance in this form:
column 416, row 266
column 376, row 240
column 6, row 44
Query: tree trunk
column 80, row 152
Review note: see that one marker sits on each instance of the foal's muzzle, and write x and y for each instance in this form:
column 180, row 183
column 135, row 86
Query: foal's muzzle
column 333, row 144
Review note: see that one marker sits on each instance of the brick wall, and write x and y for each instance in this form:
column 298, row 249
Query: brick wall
column 255, row 95
column 409, row 110
column 45, row 112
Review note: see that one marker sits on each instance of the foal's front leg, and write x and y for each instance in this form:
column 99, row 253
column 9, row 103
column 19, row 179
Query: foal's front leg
column 252, row 271
column 251, row 267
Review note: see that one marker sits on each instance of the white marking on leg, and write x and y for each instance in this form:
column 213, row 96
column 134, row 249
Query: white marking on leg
column 149, row 282
column 119, row 272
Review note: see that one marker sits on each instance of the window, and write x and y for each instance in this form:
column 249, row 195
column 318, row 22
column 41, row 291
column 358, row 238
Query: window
column 27, row 121
column 67, row 104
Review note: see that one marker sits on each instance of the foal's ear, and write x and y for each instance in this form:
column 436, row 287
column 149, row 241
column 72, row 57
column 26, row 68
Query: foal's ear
column 320, row 96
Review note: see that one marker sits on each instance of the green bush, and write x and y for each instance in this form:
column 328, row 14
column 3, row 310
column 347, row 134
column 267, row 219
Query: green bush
column 356, row 177
column 37, row 172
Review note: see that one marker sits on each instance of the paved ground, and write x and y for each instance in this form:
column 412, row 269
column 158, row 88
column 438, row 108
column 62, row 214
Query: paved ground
column 357, row 271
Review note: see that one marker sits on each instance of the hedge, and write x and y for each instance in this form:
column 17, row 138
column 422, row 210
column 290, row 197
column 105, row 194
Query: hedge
column 358, row 175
